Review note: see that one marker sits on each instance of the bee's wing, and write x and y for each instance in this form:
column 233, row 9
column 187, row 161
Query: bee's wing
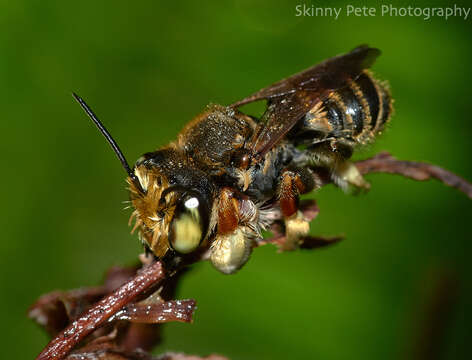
column 288, row 100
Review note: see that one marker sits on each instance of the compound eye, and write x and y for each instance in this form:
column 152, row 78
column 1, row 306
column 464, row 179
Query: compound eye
column 188, row 226
column 241, row 159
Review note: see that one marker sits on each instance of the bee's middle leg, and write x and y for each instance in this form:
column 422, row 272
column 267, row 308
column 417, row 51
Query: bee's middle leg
column 294, row 181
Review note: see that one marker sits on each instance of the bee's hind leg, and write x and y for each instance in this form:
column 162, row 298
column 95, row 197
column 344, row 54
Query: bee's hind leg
column 334, row 156
column 346, row 175
column 294, row 181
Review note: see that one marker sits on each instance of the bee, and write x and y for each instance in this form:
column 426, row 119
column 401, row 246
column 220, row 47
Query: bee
column 229, row 175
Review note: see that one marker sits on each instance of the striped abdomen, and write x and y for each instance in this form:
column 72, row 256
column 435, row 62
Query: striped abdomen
column 353, row 114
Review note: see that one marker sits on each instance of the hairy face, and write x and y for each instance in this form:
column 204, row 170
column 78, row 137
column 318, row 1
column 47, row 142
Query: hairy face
column 168, row 216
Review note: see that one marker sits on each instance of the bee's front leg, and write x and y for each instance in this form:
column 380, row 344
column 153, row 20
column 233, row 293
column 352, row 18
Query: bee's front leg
column 294, row 181
column 236, row 232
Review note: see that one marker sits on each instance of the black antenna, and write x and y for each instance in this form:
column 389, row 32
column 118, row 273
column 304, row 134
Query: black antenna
column 110, row 140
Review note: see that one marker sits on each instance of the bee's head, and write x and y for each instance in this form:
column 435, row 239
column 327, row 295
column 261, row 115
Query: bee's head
column 173, row 201
column 173, row 206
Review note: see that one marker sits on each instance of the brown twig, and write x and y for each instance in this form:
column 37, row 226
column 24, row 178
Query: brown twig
column 157, row 313
column 59, row 347
column 386, row 163
column 147, row 336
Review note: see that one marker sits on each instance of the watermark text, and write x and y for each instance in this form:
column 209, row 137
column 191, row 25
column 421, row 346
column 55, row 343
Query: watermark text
column 425, row 13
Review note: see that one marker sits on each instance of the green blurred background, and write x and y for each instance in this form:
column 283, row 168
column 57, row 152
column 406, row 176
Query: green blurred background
column 147, row 67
